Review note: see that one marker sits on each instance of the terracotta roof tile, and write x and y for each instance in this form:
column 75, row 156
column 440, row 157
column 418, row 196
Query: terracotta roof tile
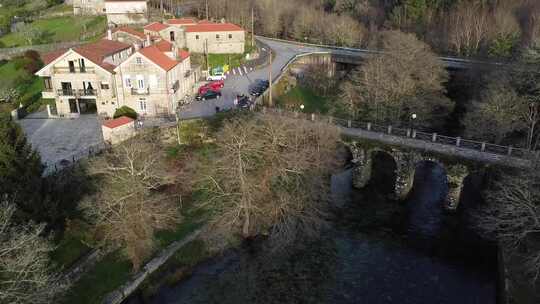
column 158, row 57
column 155, row 27
column 213, row 27
column 164, row 46
column 183, row 54
column 95, row 52
column 117, row 122
column 131, row 31
column 182, row 21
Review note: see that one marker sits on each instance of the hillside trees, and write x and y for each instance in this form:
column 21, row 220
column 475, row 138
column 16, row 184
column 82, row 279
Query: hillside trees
column 25, row 276
column 132, row 202
column 270, row 176
column 407, row 78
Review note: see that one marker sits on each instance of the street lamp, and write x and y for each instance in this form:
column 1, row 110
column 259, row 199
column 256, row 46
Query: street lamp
column 301, row 107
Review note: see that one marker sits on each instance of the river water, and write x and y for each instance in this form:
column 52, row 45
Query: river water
column 375, row 251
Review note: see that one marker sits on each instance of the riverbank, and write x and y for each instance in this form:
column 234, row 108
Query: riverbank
column 373, row 252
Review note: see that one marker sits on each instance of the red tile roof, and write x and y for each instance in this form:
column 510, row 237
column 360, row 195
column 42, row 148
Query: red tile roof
column 158, row 57
column 131, row 31
column 183, row 54
column 206, row 22
column 164, row 46
column 213, row 27
column 182, row 21
column 117, row 122
column 95, row 52
column 155, row 27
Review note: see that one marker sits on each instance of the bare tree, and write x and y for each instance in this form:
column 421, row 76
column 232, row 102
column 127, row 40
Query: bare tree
column 406, row 78
column 500, row 113
column 468, row 26
column 25, row 276
column 512, row 214
column 131, row 204
column 270, row 176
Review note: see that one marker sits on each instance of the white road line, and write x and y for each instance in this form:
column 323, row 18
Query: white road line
column 234, row 72
column 245, row 70
column 240, row 71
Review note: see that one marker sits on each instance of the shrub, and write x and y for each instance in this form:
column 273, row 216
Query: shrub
column 125, row 111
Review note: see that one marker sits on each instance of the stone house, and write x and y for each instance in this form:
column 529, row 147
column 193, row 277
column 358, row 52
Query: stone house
column 118, row 130
column 98, row 78
column 130, row 36
column 155, row 79
column 88, row 7
column 200, row 37
column 215, row 38
column 120, row 12
column 81, row 79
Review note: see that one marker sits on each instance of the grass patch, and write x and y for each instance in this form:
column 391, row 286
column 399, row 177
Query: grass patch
column 69, row 250
column 14, row 75
column 60, row 29
column 299, row 95
column 108, row 274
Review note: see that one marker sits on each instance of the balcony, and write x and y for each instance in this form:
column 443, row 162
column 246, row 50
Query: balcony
column 67, row 70
column 67, row 92
column 137, row 91
column 77, row 93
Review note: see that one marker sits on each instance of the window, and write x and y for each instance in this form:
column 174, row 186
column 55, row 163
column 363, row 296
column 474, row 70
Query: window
column 138, row 60
column 127, row 81
column 81, row 65
column 140, row 81
column 197, row 37
column 230, row 36
column 217, row 36
column 47, row 83
column 104, row 85
column 71, row 66
column 171, row 34
column 142, row 105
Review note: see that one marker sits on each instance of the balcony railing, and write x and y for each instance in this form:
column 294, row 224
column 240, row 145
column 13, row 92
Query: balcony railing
column 80, row 92
column 67, row 92
column 138, row 91
column 67, row 70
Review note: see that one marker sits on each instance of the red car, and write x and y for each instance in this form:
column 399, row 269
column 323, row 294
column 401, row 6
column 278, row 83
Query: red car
column 215, row 86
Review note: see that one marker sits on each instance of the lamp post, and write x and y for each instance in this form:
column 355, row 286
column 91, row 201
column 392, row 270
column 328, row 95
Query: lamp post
column 302, row 108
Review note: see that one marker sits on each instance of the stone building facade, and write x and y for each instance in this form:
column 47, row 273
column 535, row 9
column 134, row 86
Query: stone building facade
column 121, row 12
column 100, row 77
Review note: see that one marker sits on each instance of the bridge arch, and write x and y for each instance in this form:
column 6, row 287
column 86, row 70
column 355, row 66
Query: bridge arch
column 406, row 162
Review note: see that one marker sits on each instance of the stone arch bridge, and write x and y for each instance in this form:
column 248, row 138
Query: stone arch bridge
column 406, row 162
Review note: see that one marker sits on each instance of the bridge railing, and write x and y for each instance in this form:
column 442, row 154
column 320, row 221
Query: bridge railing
column 483, row 147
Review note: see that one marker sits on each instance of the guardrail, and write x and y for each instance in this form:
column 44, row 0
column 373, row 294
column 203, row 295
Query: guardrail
column 435, row 138
column 457, row 60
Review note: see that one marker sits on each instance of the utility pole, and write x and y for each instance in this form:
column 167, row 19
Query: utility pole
column 270, row 102
column 252, row 28
column 207, row 10
column 206, row 54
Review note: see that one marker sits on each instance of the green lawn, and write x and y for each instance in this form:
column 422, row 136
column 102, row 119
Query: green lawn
column 12, row 75
column 299, row 95
column 60, row 29
column 233, row 60
column 69, row 250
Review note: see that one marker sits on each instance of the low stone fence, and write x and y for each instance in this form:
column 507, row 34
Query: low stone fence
column 8, row 53
column 117, row 296
column 75, row 272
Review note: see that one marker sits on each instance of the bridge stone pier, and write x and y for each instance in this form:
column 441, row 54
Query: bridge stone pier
column 406, row 161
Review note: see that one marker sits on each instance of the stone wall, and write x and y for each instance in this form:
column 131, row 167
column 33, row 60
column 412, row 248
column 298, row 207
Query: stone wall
column 8, row 53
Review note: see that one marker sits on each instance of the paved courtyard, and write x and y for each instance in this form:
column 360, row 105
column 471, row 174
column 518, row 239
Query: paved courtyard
column 62, row 139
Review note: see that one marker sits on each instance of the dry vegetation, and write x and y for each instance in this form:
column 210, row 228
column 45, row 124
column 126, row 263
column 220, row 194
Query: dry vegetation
column 270, row 176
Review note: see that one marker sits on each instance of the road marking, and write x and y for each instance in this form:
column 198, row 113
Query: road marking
column 234, row 72
column 240, row 71
column 245, row 70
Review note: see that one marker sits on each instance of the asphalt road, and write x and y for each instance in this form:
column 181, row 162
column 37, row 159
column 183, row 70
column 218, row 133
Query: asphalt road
column 236, row 84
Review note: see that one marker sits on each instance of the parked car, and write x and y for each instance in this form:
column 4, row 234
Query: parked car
column 215, row 86
column 216, row 77
column 258, row 87
column 209, row 95
column 242, row 101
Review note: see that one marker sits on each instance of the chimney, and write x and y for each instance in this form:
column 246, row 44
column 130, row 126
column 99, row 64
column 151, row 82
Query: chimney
column 136, row 46
column 148, row 41
column 175, row 52
column 109, row 34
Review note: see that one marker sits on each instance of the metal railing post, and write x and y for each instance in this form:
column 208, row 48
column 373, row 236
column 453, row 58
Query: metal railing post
column 349, row 123
column 408, row 132
column 458, row 141
column 330, row 120
column 413, row 134
column 434, row 137
column 312, row 117
column 510, row 150
column 483, row 147
column 389, row 129
column 369, row 126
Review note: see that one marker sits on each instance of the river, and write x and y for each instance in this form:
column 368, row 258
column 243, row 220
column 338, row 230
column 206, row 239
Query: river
column 375, row 251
